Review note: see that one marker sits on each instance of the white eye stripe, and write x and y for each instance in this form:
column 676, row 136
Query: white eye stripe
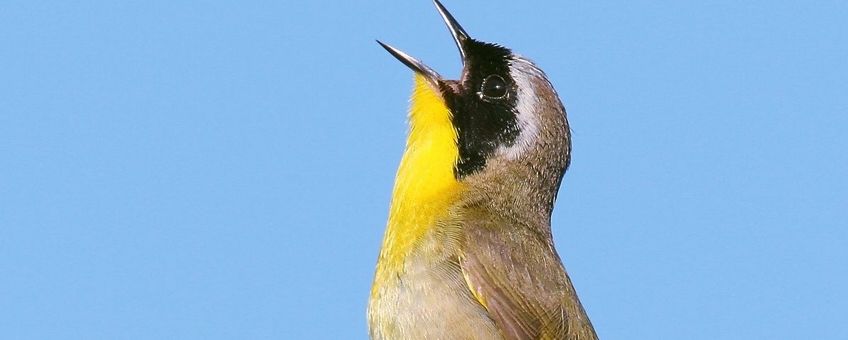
column 526, row 105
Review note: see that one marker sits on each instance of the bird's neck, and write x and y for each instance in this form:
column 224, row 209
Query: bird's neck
column 425, row 186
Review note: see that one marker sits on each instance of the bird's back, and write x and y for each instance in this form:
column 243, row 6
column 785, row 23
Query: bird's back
column 479, row 275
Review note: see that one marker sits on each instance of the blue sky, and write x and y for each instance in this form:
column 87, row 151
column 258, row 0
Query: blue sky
column 216, row 170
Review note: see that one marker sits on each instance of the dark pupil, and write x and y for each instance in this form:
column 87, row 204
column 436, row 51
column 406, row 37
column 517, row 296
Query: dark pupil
column 494, row 87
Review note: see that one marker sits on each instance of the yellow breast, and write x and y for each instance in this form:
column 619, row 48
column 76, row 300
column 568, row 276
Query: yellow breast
column 425, row 186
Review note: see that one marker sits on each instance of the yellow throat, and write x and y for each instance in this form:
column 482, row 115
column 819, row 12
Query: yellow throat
column 425, row 185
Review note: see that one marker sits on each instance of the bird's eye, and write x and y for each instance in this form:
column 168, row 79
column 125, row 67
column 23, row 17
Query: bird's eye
column 494, row 87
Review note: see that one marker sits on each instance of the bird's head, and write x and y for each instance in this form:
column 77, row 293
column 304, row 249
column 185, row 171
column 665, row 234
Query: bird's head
column 502, row 122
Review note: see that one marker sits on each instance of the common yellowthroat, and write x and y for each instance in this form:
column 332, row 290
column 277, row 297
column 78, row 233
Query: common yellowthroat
column 468, row 251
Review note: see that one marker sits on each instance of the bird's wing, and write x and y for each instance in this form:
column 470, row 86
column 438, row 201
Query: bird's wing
column 515, row 273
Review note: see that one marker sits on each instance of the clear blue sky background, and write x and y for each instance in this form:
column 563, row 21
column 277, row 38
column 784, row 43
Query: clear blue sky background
column 216, row 170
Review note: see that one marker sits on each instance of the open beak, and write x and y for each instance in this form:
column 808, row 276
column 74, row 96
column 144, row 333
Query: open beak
column 414, row 64
column 459, row 37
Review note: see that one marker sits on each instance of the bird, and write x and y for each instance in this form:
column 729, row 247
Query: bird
column 468, row 251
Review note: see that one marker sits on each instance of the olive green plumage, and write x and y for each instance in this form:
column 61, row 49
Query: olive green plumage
column 474, row 258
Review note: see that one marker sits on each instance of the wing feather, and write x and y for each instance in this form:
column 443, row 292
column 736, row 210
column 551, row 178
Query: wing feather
column 512, row 269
